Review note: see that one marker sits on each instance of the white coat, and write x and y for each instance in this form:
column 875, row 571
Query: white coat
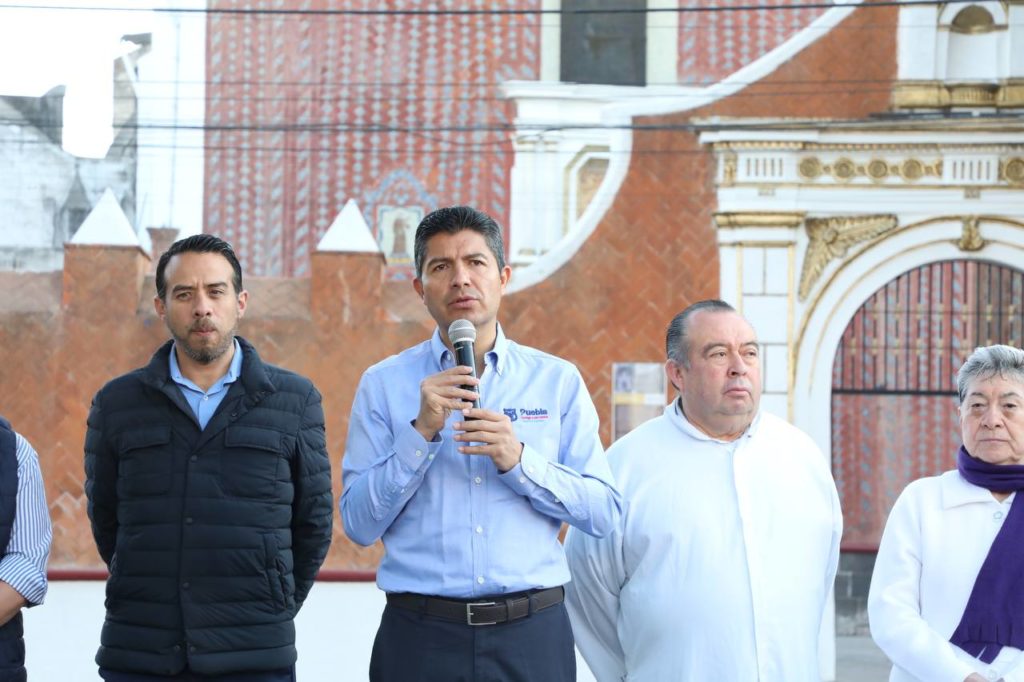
column 723, row 562
column 937, row 536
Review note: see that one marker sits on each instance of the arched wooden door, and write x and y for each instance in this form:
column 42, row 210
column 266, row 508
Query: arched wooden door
column 894, row 381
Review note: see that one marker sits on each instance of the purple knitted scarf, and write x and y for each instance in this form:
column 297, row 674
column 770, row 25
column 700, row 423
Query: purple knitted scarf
column 994, row 616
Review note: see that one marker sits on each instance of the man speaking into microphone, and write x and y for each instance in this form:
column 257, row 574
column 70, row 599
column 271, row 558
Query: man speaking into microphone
column 468, row 500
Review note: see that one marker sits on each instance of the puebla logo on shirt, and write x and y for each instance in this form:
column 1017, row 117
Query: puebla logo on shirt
column 529, row 415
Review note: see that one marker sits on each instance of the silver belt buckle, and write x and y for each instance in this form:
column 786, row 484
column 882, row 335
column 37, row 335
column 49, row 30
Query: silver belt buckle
column 469, row 612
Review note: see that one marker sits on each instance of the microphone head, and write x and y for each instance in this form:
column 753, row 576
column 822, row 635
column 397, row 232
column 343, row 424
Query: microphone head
column 460, row 331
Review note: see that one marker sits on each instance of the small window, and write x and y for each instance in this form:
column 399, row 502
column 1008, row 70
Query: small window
column 604, row 48
column 973, row 19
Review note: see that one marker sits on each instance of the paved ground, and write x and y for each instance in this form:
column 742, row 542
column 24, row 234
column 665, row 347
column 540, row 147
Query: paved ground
column 335, row 633
column 859, row 660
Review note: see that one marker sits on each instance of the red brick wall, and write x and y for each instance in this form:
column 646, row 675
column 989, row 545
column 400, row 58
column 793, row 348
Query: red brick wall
column 653, row 254
column 715, row 44
column 307, row 111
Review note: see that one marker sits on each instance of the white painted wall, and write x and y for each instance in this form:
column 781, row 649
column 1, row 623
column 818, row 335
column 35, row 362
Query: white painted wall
column 929, row 51
column 35, row 177
column 171, row 91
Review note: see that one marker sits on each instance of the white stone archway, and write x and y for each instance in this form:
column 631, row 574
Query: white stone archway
column 828, row 314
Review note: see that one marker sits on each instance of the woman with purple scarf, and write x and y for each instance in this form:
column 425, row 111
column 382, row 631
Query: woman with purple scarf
column 947, row 594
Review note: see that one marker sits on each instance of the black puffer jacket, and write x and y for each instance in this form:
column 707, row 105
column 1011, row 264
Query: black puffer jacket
column 213, row 537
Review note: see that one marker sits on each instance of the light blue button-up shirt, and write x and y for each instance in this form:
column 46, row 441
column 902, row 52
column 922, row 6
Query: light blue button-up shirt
column 451, row 524
column 205, row 403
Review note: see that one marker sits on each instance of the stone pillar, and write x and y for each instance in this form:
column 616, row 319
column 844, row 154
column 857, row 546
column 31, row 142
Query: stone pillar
column 100, row 337
column 757, row 277
column 348, row 333
column 161, row 239
column 346, row 288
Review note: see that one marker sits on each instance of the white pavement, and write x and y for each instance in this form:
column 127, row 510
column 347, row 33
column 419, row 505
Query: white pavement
column 335, row 629
column 335, row 633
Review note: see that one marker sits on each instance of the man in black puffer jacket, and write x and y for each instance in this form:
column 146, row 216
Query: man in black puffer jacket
column 209, row 490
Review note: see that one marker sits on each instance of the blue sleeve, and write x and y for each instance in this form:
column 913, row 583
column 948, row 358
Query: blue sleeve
column 384, row 464
column 577, row 487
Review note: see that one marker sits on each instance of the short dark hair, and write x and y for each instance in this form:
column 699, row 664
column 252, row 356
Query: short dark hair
column 199, row 243
column 677, row 343
column 455, row 219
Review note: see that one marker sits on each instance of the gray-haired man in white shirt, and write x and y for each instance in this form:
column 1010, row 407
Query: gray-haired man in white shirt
column 729, row 540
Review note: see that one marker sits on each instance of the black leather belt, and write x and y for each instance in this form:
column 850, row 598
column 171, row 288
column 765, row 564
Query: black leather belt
column 486, row 611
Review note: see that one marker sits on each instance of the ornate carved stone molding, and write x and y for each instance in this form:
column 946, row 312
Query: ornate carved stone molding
column 936, row 94
column 728, row 169
column 1012, row 171
column 970, row 236
column 755, row 219
column 877, row 170
column 831, row 238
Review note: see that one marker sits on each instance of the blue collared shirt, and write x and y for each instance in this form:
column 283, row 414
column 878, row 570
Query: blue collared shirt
column 23, row 567
column 205, row 403
column 452, row 525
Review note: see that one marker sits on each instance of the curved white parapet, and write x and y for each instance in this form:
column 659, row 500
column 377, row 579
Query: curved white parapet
column 748, row 75
column 621, row 143
column 617, row 108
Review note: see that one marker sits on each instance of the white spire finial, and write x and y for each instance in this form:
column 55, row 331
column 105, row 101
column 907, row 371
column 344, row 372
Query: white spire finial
column 349, row 233
column 106, row 225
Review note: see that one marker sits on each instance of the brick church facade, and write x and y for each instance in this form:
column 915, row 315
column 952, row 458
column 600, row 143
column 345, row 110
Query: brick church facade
column 795, row 165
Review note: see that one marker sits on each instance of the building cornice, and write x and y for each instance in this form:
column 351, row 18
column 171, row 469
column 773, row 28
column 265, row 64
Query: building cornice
column 940, row 95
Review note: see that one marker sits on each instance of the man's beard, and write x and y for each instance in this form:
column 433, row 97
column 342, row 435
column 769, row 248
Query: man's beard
column 204, row 355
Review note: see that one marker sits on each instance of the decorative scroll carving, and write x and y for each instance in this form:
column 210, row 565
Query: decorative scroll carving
column 1013, row 170
column 844, row 169
column 970, row 237
column 757, row 219
column 809, row 168
column 831, row 238
column 932, row 94
column 729, row 169
column 877, row 170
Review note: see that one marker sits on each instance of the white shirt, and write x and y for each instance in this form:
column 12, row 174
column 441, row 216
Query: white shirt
column 722, row 563
column 935, row 541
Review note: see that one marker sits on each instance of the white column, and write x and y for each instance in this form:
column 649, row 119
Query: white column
column 171, row 100
column 551, row 42
column 549, row 192
column 757, row 261
column 521, row 225
column 662, row 43
column 917, row 39
column 1015, row 41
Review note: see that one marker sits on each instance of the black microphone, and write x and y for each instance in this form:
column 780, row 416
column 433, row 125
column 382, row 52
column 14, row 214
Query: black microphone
column 462, row 334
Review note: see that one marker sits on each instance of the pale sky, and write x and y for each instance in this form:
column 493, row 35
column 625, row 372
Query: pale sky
column 42, row 48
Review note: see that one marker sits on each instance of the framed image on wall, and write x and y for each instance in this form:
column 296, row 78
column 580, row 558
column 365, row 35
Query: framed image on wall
column 638, row 394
